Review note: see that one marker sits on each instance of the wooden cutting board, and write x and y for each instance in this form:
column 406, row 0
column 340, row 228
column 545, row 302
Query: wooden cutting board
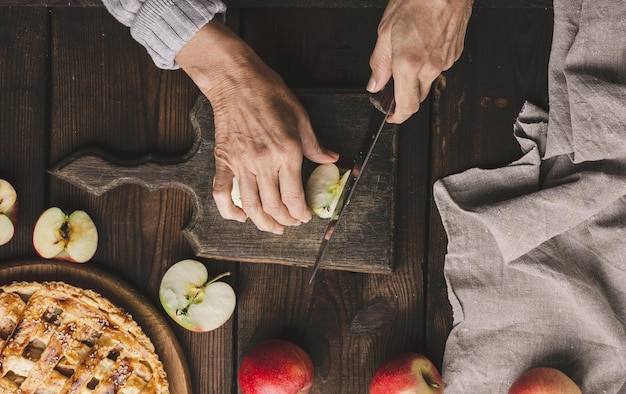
column 120, row 294
column 364, row 240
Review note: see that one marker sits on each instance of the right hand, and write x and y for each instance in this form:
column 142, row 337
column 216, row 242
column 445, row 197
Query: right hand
column 261, row 130
column 417, row 40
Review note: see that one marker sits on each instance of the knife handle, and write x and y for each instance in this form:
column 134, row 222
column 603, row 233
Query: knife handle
column 384, row 100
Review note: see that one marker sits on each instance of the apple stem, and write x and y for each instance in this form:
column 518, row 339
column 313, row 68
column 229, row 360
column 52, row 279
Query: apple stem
column 431, row 382
column 216, row 278
column 183, row 311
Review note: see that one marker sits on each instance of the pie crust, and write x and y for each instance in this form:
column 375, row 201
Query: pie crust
column 57, row 338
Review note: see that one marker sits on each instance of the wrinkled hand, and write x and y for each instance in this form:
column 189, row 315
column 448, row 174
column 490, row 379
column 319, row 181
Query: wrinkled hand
column 261, row 131
column 417, row 40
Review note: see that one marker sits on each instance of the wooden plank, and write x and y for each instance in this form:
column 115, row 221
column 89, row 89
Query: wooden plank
column 291, row 3
column 107, row 92
column 341, row 121
column 348, row 323
column 475, row 104
column 338, row 44
column 24, row 43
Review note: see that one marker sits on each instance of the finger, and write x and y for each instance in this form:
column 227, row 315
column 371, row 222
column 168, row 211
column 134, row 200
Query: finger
column 271, row 201
column 380, row 63
column 222, row 187
column 406, row 92
column 311, row 148
column 292, row 193
column 252, row 206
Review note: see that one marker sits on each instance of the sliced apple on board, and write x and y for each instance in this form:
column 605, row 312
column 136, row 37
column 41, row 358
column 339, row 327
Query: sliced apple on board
column 8, row 211
column 60, row 236
column 235, row 194
column 194, row 301
column 324, row 187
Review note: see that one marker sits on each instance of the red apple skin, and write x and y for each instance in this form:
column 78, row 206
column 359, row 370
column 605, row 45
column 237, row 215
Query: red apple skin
column 407, row 373
column 276, row 367
column 544, row 380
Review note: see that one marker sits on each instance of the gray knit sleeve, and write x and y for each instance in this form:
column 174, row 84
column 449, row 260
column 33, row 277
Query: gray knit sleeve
column 164, row 26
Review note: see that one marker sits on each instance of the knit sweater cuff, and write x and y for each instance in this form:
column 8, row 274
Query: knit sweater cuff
column 163, row 27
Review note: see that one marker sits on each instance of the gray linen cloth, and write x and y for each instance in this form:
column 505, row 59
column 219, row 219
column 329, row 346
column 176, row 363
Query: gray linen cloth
column 536, row 259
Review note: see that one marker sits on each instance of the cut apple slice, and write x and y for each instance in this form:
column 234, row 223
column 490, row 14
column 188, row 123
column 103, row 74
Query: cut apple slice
column 59, row 236
column 193, row 301
column 323, row 189
column 235, row 193
column 7, row 229
column 8, row 211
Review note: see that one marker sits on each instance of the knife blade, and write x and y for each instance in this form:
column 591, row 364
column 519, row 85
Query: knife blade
column 383, row 101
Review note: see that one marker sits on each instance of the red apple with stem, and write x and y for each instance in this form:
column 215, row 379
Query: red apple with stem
column 407, row 373
column 276, row 367
column 544, row 380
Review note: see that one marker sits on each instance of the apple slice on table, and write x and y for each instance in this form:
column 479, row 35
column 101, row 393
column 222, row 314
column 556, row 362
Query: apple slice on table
column 60, row 236
column 407, row 373
column 323, row 189
column 194, row 301
column 544, row 380
column 8, row 211
column 276, row 366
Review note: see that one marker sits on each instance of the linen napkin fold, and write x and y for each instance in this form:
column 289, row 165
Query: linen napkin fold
column 536, row 260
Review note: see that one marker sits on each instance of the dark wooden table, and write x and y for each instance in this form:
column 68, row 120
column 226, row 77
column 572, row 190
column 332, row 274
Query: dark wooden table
column 71, row 77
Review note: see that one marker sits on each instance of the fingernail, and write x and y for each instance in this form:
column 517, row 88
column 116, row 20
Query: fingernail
column 371, row 85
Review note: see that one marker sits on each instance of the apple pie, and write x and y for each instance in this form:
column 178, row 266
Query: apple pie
column 57, row 338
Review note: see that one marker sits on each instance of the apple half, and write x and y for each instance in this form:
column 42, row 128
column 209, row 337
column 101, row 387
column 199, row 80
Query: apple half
column 324, row 188
column 60, row 236
column 8, row 211
column 194, row 301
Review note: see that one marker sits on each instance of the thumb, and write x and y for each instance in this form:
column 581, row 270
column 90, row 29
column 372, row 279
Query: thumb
column 312, row 150
column 380, row 63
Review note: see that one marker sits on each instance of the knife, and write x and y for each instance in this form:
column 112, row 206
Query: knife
column 384, row 102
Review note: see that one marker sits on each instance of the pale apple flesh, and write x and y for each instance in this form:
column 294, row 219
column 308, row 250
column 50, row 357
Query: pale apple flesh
column 8, row 211
column 324, row 189
column 278, row 367
column 544, row 380
column 193, row 301
column 407, row 373
column 7, row 229
column 235, row 194
column 60, row 236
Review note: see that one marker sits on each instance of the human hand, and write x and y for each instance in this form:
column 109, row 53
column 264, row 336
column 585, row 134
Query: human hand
column 417, row 40
column 261, row 130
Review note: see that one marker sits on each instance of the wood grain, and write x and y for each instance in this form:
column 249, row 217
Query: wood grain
column 107, row 93
column 363, row 240
column 24, row 42
column 122, row 295
column 73, row 78
column 350, row 323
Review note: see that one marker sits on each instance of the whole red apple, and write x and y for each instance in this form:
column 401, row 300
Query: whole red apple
column 544, row 380
column 407, row 373
column 276, row 367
